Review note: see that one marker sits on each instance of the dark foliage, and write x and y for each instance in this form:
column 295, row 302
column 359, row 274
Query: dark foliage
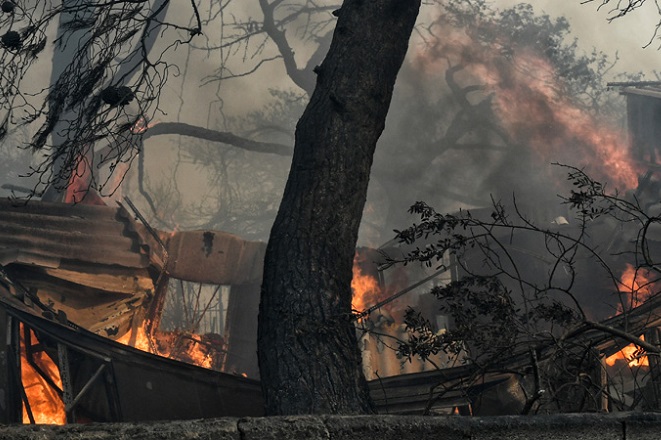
column 11, row 40
column 101, row 55
column 8, row 7
column 503, row 307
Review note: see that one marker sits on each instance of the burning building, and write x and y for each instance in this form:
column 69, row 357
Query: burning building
column 75, row 279
column 82, row 286
column 601, row 362
column 82, row 294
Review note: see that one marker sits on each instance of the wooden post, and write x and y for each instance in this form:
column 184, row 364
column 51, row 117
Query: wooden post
column 241, row 330
column 603, row 384
column 9, row 408
column 654, row 384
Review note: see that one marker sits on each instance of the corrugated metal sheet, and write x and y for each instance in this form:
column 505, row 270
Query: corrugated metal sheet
column 57, row 235
column 90, row 262
column 66, row 235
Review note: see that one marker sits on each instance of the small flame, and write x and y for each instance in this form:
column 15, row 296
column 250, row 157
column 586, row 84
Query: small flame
column 140, row 341
column 189, row 348
column 634, row 355
column 197, row 354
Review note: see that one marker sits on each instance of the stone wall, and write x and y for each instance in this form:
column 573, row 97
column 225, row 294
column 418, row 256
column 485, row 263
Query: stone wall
column 567, row 426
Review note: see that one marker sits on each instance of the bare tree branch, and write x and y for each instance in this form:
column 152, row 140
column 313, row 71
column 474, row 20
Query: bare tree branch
column 183, row 129
column 300, row 77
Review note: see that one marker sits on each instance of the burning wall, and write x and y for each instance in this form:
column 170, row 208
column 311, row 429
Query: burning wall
column 380, row 300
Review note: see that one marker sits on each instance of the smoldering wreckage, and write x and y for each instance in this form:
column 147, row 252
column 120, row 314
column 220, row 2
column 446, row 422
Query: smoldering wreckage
column 83, row 287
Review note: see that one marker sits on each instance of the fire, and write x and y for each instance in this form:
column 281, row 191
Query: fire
column 189, row 348
column 46, row 405
column 139, row 341
column 533, row 106
column 531, row 101
column 638, row 287
column 196, row 354
column 366, row 289
column 633, row 354
column 637, row 284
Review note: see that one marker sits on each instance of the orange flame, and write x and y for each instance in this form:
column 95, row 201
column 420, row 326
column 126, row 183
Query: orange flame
column 533, row 105
column 192, row 350
column 140, row 341
column 633, row 354
column 366, row 290
column 637, row 283
column 638, row 286
column 46, row 405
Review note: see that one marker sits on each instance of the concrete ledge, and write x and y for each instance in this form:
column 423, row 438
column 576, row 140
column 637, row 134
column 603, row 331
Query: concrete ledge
column 639, row 426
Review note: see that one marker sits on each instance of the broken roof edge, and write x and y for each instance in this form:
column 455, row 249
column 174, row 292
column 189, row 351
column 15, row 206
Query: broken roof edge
column 12, row 256
column 650, row 89
column 53, row 234
column 642, row 91
column 201, row 256
column 214, row 257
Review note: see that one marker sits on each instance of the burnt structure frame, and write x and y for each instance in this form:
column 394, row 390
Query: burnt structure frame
column 69, row 397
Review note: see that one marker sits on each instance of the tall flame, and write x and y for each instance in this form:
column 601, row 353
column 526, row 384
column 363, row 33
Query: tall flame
column 46, row 405
column 638, row 287
column 366, row 289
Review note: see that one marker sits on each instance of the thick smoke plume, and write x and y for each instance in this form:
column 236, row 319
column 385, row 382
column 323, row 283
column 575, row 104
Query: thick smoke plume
column 488, row 102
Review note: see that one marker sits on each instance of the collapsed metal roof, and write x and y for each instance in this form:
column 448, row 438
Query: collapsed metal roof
column 91, row 262
column 57, row 235
column 107, row 381
column 74, row 273
column 100, row 266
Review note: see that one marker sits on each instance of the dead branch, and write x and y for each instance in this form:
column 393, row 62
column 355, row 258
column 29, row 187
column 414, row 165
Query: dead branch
column 183, row 129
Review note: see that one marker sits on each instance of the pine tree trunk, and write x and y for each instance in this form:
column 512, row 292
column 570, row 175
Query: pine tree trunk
column 308, row 355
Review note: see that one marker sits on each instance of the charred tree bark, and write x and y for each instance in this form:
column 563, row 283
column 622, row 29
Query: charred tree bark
column 308, row 356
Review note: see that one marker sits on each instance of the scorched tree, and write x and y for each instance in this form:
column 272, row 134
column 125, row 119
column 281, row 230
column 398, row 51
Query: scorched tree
column 106, row 90
column 308, row 356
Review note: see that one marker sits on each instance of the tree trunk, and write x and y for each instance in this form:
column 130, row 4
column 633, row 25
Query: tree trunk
column 308, row 356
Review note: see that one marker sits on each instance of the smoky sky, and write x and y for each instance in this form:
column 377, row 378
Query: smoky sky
column 406, row 167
